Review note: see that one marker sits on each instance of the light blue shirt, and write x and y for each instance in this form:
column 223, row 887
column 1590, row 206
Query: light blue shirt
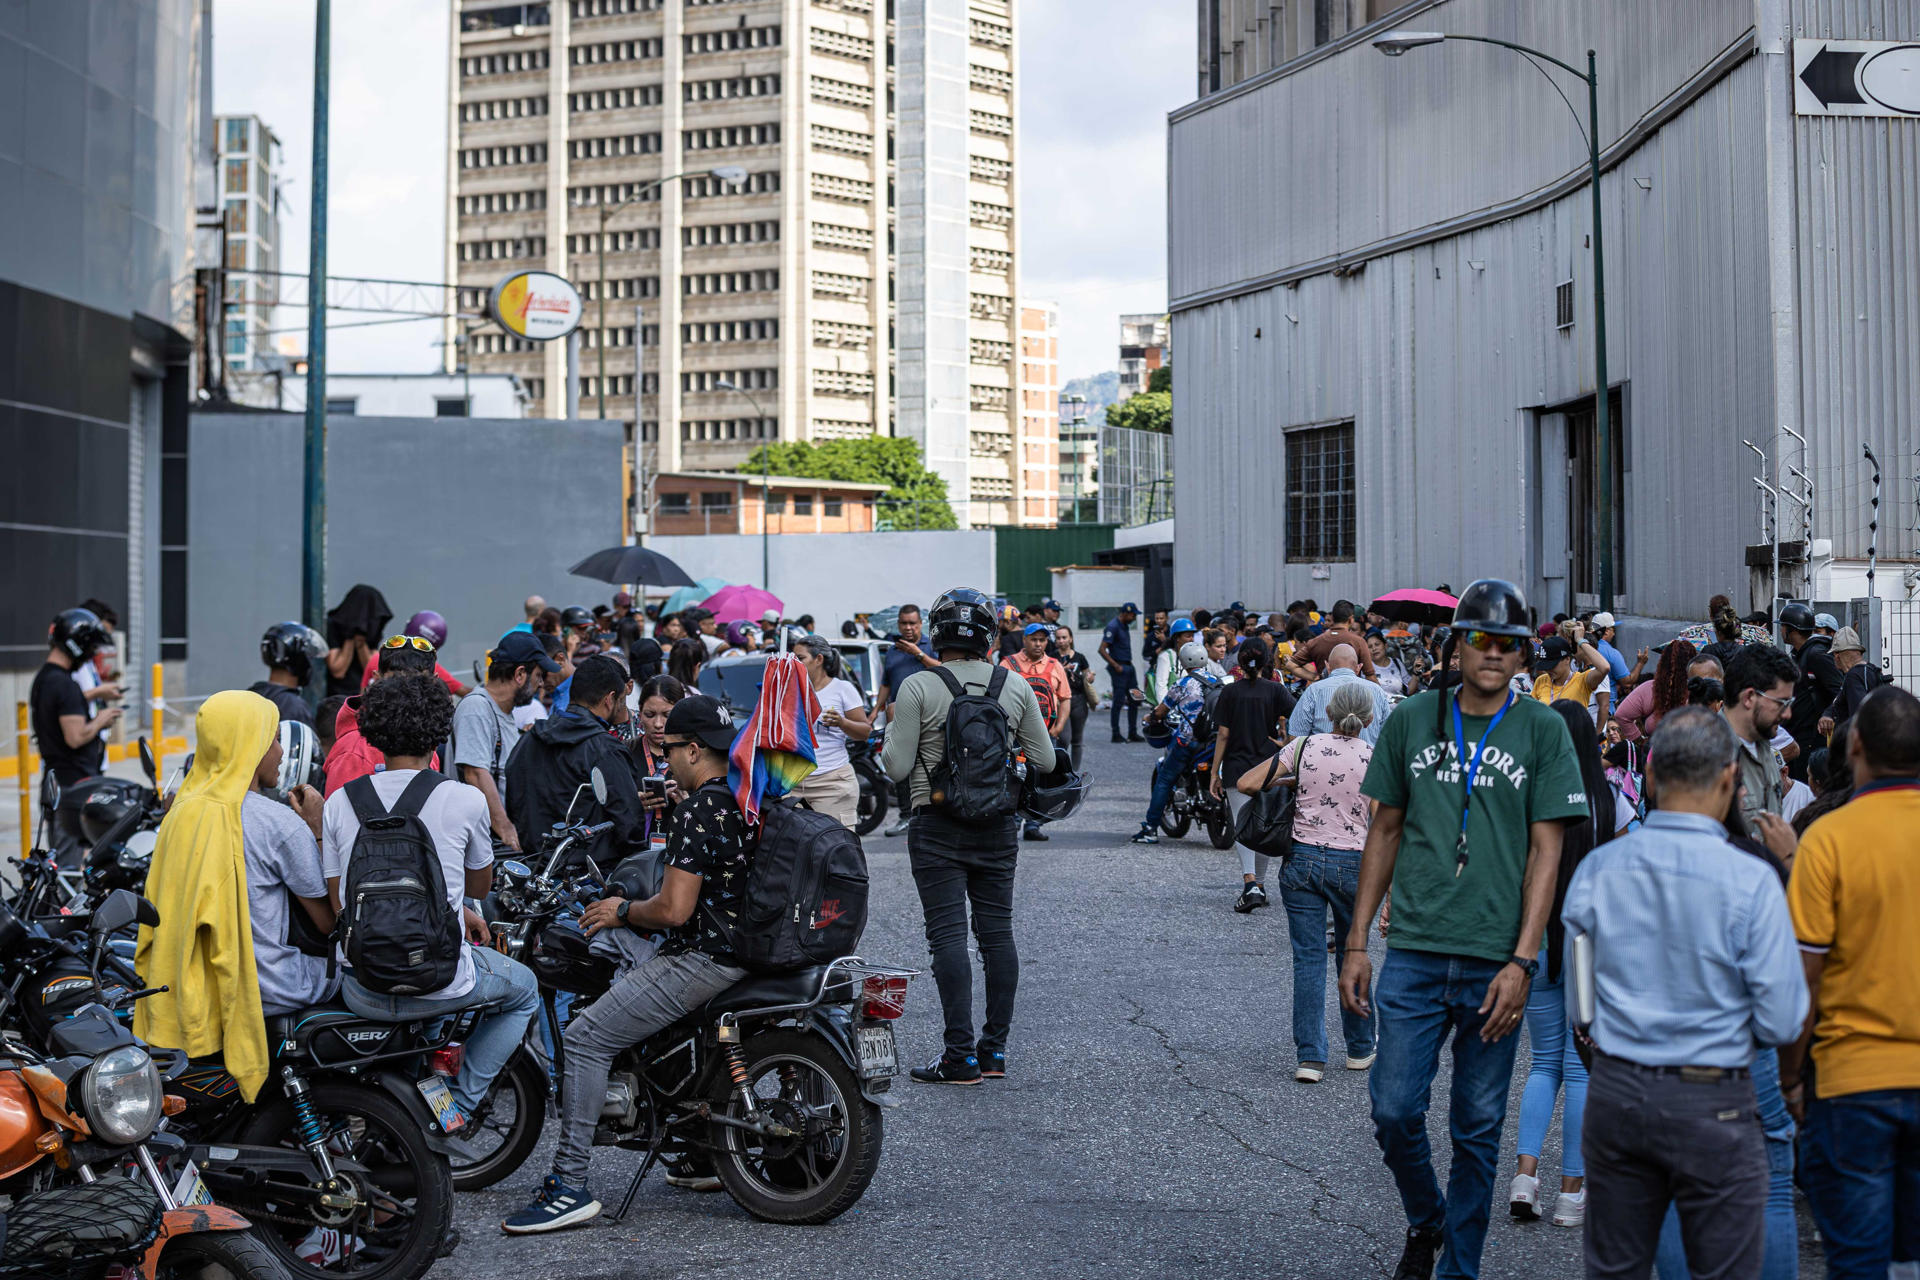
column 1694, row 957
column 1310, row 713
column 1617, row 668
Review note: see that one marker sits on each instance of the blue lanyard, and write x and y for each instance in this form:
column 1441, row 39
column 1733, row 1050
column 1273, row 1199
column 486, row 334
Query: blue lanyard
column 1470, row 769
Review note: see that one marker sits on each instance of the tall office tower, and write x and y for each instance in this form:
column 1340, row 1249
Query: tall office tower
column 249, row 169
column 860, row 280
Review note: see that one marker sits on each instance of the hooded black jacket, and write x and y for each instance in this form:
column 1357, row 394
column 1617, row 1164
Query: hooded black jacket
column 552, row 760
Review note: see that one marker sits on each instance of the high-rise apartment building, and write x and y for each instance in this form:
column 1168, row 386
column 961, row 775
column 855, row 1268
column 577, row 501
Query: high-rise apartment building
column 1040, row 411
column 860, row 280
column 249, row 175
column 1146, row 344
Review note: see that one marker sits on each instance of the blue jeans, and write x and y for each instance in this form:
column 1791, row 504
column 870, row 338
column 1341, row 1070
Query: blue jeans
column 1421, row 999
column 1313, row 881
column 1553, row 1062
column 506, row 984
column 1862, row 1179
column 1172, row 765
column 1782, row 1257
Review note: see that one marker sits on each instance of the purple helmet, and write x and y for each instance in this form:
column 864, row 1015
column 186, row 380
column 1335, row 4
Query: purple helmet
column 429, row 625
column 743, row 633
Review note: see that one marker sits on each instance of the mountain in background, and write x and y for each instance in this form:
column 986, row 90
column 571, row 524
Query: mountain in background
column 1100, row 389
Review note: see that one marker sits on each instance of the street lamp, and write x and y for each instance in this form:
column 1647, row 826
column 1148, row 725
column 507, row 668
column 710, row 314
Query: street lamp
column 1076, row 420
column 766, row 459
column 1395, row 43
column 732, row 175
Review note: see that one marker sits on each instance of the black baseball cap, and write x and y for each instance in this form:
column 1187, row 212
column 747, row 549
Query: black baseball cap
column 1553, row 652
column 704, row 719
column 523, row 648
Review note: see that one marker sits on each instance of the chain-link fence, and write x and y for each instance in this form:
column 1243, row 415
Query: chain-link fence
column 1136, row 476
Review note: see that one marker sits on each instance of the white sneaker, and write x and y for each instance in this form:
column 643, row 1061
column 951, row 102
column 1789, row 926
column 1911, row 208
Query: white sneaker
column 1309, row 1072
column 1360, row 1064
column 1523, row 1198
column 899, row 828
column 1570, row 1210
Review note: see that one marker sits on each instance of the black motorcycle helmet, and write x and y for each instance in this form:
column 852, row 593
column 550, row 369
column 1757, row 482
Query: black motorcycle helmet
column 107, row 800
column 294, row 646
column 962, row 619
column 1797, row 617
column 1494, row 606
column 575, row 616
column 79, row 633
column 1053, row 796
column 561, row 958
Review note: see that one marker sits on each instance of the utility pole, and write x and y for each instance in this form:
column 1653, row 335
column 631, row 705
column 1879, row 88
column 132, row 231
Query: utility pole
column 313, row 540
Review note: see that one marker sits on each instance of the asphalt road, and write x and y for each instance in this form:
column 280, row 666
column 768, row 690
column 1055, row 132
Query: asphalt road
column 1149, row 1125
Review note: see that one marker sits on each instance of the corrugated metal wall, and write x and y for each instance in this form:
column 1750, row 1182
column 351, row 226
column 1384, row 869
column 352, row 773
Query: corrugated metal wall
column 1857, row 196
column 1023, row 559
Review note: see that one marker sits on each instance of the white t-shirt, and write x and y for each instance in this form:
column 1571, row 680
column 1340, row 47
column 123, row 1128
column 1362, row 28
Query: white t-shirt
column 524, row 718
column 281, row 858
column 1799, row 796
column 455, row 815
column 830, row 745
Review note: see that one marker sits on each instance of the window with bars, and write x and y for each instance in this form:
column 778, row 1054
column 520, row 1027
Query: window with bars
column 622, row 144
column 840, row 141
column 730, row 39
column 730, row 331
column 1320, row 494
column 831, row 186
column 503, row 202
column 990, row 33
column 990, row 122
column 987, row 169
column 622, row 287
column 842, row 92
column 989, row 79
column 612, row 8
column 635, row 240
column 731, row 87
column 832, row 235
column 502, row 109
column 498, row 157
column 733, row 135
column 839, row 44
column 496, row 64
column 583, row 55
column 714, row 233
column 762, row 281
column 636, row 95
column 832, row 284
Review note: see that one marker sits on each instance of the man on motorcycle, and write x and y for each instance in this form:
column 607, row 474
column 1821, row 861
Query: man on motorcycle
column 559, row 753
column 709, row 856
column 1183, row 707
column 351, row 755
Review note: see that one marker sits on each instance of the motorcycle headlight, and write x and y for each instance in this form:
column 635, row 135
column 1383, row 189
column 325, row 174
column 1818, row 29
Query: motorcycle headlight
column 121, row 1095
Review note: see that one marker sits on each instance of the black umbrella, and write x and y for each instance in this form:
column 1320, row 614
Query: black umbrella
column 632, row 564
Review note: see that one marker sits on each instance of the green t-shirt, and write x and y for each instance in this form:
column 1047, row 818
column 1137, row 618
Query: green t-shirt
column 1528, row 774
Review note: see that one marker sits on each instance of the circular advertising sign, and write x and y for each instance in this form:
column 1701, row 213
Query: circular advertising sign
column 537, row 305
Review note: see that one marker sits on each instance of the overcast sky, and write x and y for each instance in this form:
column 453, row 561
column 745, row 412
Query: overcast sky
column 1093, row 98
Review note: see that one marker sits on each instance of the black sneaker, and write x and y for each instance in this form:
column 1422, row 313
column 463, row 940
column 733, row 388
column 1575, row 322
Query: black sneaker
column 1118, row 738
column 993, row 1065
column 1252, row 898
column 1416, row 1260
column 1136, row 738
column 949, row 1070
column 1144, row 835
column 692, row 1173
column 1035, row 833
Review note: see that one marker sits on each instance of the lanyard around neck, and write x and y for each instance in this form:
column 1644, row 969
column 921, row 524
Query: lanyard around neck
column 1470, row 769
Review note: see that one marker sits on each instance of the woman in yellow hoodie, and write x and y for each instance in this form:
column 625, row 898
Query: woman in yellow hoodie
column 202, row 949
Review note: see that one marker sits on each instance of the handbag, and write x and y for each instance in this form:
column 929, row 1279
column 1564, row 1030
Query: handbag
column 1266, row 820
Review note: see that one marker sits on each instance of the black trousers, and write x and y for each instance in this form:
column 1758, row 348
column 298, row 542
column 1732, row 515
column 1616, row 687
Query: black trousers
column 1076, row 729
column 1125, row 680
column 957, row 866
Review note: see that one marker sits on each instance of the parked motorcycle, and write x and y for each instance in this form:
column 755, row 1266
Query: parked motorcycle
column 1193, row 801
column 119, row 825
column 876, row 789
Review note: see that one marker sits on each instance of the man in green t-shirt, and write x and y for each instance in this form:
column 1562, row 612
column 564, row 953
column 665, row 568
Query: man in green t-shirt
column 1472, row 886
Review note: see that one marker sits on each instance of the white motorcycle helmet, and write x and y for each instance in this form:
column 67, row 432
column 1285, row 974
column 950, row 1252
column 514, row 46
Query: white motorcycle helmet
column 299, row 758
column 1193, row 656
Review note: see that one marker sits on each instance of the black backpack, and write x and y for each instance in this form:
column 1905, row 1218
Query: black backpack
column 1207, row 725
column 397, row 930
column 806, row 897
column 975, row 780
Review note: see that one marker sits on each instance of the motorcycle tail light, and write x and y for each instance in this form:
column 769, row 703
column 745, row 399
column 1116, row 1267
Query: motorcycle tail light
column 447, row 1061
column 883, row 998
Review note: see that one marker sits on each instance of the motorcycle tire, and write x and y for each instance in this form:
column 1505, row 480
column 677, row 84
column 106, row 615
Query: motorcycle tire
column 774, row 1186
column 1175, row 823
column 365, row 1108
column 874, row 797
column 522, row 1087
column 219, row 1255
column 1220, row 829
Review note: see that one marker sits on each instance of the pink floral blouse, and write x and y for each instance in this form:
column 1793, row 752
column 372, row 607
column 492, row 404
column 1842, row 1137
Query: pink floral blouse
column 1329, row 810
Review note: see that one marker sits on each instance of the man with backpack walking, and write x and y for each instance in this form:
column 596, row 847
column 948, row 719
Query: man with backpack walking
column 709, row 857
column 1188, row 709
column 955, row 729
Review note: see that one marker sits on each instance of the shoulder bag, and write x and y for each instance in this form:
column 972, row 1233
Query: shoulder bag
column 1266, row 820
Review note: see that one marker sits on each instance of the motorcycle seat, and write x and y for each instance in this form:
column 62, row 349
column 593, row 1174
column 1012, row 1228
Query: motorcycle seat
column 301, row 1027
column 761, row 990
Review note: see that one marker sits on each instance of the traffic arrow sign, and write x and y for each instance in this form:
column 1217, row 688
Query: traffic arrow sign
column 1856, row 78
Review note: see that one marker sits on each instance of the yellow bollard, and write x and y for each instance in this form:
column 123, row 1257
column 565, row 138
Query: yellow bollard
column 25, row 774
column 159, row 725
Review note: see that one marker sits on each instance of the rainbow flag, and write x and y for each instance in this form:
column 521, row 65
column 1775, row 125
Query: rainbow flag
column 775, row 751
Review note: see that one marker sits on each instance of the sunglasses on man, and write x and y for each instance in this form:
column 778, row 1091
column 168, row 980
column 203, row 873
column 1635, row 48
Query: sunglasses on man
column 1487, row 642
column 421, row 643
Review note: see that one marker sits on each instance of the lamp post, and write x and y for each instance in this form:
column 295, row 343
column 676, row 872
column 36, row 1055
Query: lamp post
column 1395, row 43
column 1078, row 410
column 766, row 459
column 733, row 175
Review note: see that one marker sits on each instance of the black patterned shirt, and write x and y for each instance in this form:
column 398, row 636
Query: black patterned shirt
column 708, row 837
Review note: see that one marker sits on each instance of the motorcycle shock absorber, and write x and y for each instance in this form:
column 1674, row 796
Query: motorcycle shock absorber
column 313, row 1136
column 729, row 1036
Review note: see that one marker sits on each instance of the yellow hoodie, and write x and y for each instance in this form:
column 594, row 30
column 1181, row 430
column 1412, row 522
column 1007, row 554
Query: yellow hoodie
column 202, row 949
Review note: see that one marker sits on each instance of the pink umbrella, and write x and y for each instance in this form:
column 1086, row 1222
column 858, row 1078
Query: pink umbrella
column 732, row 604
column 1416, row 604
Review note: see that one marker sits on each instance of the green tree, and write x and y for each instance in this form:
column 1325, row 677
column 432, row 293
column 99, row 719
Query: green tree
column 1161, row 379
column 916, row 498
column 1148, row 411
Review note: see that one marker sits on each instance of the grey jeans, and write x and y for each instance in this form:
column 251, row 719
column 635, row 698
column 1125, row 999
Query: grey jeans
column 651, row 996
column 1651, row 1139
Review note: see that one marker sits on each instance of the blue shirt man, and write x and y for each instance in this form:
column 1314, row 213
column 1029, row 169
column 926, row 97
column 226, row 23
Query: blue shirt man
column 1310, row 713
column 1116, row 650
column 1617, row 668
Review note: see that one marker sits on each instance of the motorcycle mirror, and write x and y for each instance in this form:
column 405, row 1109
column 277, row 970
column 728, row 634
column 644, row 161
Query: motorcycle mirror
column 116, row 911
column 146, row 913
column 146, row 759
column 574, row 803
column 599, row 781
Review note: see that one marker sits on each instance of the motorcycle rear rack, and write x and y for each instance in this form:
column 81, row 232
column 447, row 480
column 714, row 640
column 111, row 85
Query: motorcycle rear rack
column 850, row 966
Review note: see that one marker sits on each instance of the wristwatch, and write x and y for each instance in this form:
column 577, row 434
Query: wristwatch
column 1529, row 966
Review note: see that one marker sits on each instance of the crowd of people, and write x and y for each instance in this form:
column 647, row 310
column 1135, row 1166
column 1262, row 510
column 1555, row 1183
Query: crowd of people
column 1681, row 871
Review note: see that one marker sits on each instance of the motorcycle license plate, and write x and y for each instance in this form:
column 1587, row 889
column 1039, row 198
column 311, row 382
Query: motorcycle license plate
column 446, row 1112
column 191, row 1188
column 878, row 1056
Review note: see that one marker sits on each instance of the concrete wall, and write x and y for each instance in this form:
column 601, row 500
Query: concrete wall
column 463, row 516
column 836, row 575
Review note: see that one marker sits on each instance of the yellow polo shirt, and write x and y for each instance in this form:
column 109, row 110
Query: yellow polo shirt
column 1578, row 688
column 1854, row 894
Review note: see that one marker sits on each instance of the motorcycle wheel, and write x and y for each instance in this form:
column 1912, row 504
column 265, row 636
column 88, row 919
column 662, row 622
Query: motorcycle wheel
column 1220, row 826
column 510, row 1129
column 1175, row 822
column 366, row 1126
column 873, row 797
column 801, row 1079
column 219, row 1255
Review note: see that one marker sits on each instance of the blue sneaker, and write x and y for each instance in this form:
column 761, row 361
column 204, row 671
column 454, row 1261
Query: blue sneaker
column 556, row 1207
